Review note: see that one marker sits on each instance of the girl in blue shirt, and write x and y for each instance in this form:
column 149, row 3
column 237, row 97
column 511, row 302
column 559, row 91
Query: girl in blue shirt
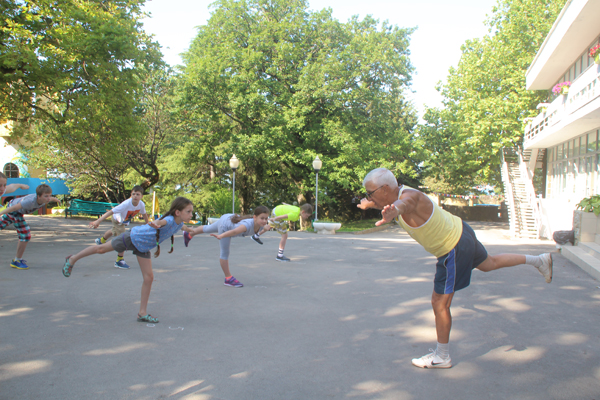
column 228, row 226
column 140, row 240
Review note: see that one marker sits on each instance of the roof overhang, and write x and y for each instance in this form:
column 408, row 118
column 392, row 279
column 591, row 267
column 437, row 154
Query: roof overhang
column 574, row 29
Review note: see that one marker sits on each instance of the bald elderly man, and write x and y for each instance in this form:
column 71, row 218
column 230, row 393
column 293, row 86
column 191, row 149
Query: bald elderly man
column 450, row 240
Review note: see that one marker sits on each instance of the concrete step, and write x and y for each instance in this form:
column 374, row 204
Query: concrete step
column 593, row 249
column 586, row 262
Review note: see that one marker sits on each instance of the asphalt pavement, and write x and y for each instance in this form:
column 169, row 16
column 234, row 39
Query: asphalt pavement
column 341, row 321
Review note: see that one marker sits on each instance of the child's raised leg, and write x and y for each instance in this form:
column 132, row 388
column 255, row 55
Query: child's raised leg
column 197, row 231
column 88, row 251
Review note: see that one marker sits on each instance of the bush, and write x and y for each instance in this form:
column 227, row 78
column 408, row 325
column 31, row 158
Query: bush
column 590, row 204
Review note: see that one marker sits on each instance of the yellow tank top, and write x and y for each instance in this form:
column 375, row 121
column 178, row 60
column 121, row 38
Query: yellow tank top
column 439, row 234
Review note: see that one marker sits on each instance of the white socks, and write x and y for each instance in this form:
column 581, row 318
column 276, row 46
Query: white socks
column 536, row 261
column 443, row 350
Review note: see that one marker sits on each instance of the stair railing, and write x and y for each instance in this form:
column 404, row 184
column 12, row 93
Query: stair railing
column 532, row 199
column 510, row 198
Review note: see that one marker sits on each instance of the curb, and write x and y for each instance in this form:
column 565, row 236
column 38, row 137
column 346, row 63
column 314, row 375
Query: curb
column 371, row 230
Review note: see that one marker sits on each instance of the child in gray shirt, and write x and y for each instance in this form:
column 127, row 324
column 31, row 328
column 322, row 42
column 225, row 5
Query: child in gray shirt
column 13, row 214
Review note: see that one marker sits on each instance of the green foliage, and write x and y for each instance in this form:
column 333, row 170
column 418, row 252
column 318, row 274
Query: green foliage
column 485, row 99
column 277, row 84
column 57, row 56
column 79, row 78
column 113, row 157
column 590, row 204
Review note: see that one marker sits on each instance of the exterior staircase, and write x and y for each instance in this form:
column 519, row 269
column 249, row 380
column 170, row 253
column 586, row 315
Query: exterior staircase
column 524, row 214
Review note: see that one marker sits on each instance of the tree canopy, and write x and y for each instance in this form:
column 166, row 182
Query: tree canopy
column 277, row 85
column 56, row 55
column 485, row 99
column 74, row 75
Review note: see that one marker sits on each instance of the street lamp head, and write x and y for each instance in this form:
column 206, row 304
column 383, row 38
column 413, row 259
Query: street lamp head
column 317, row 164
column 234, row 163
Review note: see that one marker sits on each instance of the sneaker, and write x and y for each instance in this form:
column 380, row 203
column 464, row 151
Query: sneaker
column 431, row 360
column 186, row 238
column 98, row 241
column 121, row 264
column 19, row 264
column 256, row 239
column 546, row 268
column 233, row 282
column 282, row 258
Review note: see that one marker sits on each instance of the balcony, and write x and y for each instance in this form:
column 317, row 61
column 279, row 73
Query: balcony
column 568, row 115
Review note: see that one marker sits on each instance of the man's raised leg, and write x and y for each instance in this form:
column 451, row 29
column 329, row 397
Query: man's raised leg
column 543, row 263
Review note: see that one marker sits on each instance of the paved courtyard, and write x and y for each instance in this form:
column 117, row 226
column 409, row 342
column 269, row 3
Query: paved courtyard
column 341, row 321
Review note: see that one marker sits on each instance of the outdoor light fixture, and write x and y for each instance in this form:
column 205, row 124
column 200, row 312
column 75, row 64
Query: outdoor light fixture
column 317, row 164
column 234, row 163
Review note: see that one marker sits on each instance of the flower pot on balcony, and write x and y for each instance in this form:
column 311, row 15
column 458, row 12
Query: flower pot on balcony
column 326, row 228
column 597, row 59
column 564, row 90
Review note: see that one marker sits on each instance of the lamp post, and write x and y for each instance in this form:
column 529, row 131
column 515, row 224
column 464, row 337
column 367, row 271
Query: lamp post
column 317, row 164
column 234, row 163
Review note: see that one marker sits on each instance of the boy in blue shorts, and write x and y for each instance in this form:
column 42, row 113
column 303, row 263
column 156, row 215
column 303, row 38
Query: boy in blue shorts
column 450, row 240
column 279, row 221
column 14, row 212
column 121, row 217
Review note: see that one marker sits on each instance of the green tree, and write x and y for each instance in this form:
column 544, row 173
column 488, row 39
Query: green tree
column 56, row 57
column 120, row 149
column 86, row 86
column 485, row 99
column 277, row 85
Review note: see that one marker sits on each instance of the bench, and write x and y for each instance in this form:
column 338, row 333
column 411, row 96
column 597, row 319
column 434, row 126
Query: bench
column 88, row 207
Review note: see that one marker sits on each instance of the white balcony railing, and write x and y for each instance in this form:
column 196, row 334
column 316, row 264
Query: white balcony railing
column 582, row 91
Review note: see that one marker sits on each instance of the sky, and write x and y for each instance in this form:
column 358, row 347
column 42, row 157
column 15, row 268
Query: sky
column 442, row 27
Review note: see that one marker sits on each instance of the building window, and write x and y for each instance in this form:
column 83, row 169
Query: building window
column 592, row 140
column 11, row 170
column 574, row 166
column 559, row 153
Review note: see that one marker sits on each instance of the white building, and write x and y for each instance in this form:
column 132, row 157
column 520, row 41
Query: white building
column 561, row 143
column 13, row 162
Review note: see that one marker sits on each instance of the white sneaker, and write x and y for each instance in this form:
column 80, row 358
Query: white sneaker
column 546, row 268
column 432, row 360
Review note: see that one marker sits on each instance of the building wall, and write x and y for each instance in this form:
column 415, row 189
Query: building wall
column 583, row 62
column 10, row 152
column 573, row 165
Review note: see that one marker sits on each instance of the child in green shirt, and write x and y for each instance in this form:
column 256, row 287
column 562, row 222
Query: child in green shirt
column 278, row 221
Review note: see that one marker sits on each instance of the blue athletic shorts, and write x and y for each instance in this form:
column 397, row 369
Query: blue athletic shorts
column 453, row 270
